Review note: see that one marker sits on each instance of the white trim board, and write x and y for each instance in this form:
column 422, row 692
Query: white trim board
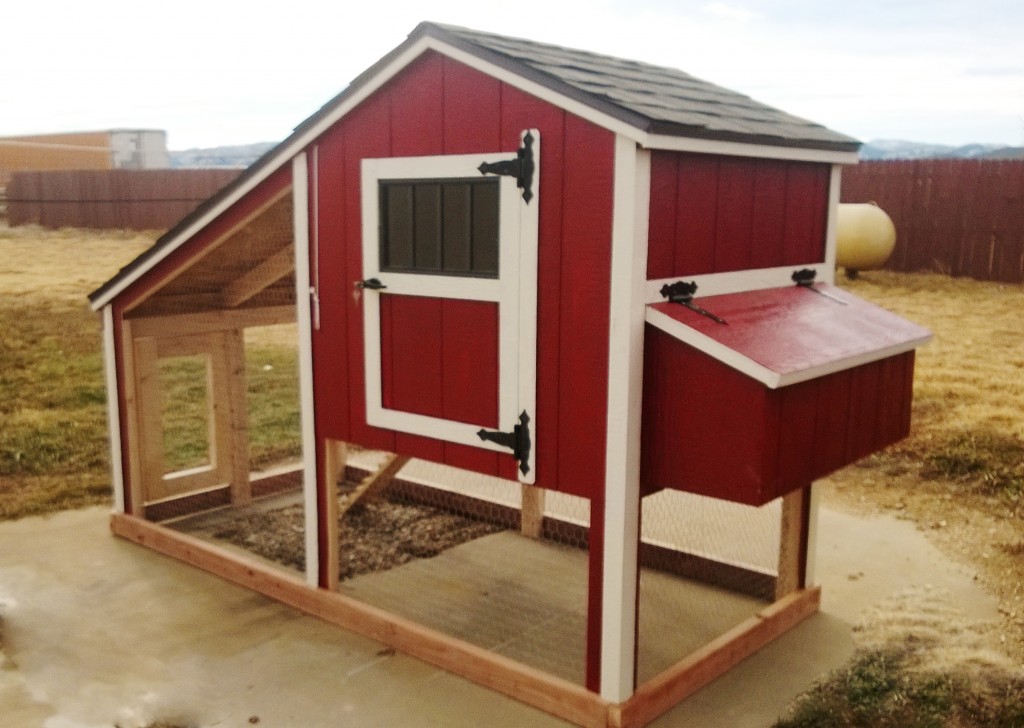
column 718, row 284
column 771, row 379
column 113, row 407
column 630, row 211
column 300, row 224
column 299, row 142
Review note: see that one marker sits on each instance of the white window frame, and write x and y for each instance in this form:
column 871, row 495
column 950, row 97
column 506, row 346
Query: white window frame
column 514, row 290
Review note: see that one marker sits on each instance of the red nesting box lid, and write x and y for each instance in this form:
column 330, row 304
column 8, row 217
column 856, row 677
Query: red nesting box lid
column 781, row 336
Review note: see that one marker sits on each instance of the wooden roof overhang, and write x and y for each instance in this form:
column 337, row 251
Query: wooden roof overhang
column 250, row 268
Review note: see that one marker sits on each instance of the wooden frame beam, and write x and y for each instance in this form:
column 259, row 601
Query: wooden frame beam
column 202, row 323
column 375, row 483
column 267, row 273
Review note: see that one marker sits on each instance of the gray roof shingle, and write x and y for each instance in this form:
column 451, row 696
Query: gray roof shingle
column 654, row 98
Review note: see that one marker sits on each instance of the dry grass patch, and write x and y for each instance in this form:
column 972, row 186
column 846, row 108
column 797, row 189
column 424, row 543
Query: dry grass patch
column 54, row 453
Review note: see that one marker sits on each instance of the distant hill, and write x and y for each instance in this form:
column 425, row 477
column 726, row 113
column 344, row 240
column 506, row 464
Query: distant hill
column 901, row 149
column 235, row 156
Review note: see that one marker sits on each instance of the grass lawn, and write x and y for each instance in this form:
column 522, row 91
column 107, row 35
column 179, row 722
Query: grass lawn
column 53, row 440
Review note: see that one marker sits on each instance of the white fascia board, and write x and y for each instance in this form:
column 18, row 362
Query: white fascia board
column 772, row 380
column 742, row 149
column 310, row 481
column 113, row 408
column 719, row 284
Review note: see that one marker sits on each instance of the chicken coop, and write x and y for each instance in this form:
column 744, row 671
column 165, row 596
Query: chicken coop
column 518, row 358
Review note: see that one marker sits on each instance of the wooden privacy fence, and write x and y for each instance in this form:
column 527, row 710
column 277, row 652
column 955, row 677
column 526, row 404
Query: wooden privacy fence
column 133, row 199
column 962, row 217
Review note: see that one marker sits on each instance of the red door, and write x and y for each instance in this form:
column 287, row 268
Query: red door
column 450, row 311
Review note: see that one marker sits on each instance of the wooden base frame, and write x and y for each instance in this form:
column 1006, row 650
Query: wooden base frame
column 551, row 694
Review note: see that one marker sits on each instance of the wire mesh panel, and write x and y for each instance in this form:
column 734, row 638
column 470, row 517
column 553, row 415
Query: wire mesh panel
column 706, row 565
column 444, row 548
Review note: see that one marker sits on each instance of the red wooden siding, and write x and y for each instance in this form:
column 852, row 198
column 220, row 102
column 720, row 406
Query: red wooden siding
column 437, row 106
column 454, row 376
column 711, row 430
column 713, row 214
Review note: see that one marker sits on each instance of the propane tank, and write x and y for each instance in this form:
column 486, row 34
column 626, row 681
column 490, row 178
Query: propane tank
column 865, row 237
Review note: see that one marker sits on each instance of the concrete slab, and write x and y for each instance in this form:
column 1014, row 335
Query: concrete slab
column 98, row 632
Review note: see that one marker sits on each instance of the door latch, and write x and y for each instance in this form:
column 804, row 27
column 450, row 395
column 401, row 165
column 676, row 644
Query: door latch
column 372, row 284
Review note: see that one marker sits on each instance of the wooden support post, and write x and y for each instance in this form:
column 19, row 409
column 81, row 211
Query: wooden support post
column 532, row 512
column 234, row 354
column 792, row 542
column 375, row 483
column 135, row 501
column 335, row 458
column 148, row 415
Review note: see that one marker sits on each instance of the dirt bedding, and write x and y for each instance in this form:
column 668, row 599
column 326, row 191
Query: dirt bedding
column 374, row 536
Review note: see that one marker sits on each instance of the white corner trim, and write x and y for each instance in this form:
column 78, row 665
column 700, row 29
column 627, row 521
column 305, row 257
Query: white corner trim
column 742, row 149
column 113, row 408
column 828, row 275
column 310, row 482
column 630, row 210
column 718, row 284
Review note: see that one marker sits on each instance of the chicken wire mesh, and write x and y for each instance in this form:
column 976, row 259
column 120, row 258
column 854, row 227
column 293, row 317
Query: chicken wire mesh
column 467, row 570
column 707, row 565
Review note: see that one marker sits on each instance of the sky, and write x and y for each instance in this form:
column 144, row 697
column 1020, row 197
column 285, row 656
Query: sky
column 216, row 73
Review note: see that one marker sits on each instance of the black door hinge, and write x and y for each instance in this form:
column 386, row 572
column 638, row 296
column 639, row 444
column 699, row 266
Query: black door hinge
column 681, row 292
column 804, row 278
column 518, row 441
column 521, row 167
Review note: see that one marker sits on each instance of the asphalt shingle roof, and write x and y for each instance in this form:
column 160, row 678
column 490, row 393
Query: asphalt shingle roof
column 654, row 98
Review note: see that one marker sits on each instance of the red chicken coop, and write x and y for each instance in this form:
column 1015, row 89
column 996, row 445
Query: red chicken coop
column 541, row 289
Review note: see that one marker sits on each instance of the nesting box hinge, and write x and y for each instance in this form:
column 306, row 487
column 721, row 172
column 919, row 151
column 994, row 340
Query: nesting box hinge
column 521, row 167
column 805, row 279
column 681, row 292
column 518, row 441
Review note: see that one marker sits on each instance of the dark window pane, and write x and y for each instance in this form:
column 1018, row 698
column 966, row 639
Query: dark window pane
column 440, row 226
column 397, row 233
column 485, row 229
column 427, row 217
column 457, row 227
